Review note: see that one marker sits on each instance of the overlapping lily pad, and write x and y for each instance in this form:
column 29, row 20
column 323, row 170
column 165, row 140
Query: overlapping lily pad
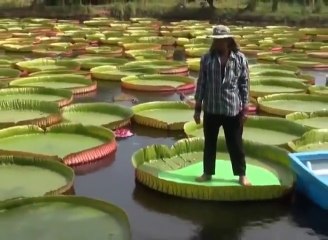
column 156, row 82
column 266, row 130
column 283, row 104
column 163, row 114
column 60, row 96
column 310, row 120
column 76, row 83
column 314, row 140
column 89, row 61
column 73, row 143
column 87, row 218
column 33, row 177
column 99, row 114
column 173, row 170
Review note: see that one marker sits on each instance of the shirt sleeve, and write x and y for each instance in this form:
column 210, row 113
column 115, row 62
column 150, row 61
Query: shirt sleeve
column 243, row 81
column 200, row 88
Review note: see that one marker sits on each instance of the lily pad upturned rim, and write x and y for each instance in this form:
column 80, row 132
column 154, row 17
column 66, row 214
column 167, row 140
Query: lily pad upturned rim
column 54, row 166
column 84, row 201
column 102, row 107
column 89, row 85
column 84, row 156
column 311, row 137
column 149, row 175
column 67, row 95
column 286, row 96
column 264, row 122
column 51, row 108
column 187, row 83
column 152, row 122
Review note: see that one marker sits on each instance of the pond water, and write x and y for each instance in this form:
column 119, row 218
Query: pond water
column 155, row 216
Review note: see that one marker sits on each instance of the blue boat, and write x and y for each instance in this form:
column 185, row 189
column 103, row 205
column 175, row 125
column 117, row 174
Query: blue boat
column 311, row 169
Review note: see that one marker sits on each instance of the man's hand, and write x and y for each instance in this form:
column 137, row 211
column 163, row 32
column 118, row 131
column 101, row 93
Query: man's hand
column 197, row 117
column 244, row 115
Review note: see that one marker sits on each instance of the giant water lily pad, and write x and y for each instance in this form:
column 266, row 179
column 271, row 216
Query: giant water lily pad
column 76, row 83
column 20, row 112
column 161, row 66
column 164, row 115
column 60, row 96
column 143, row 54
column 261, row 88
column 314, row 140
column 98, row 114
column 266, row 130
column 32, row 177
column 113, row 73
column 283, row 104
column 173, row 171
column 156, row 82
column 104, row 50
column 8, row 74
column 319, row 90
column 88, row 61
column 310, row 120
column 86, row 218
column 74, row 143
column 41, row 64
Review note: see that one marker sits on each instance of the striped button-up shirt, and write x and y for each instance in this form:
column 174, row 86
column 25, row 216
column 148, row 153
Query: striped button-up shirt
column 228, row 95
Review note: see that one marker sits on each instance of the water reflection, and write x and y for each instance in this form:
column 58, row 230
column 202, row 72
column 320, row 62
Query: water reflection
column 215, row 220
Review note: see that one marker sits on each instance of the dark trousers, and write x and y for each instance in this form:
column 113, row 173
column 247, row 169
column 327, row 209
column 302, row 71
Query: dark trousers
column 233, row 131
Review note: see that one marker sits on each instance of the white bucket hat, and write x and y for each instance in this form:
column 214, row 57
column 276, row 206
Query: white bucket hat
column 220, row 32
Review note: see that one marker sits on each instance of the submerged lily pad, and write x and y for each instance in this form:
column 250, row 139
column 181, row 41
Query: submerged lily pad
column 173, row 171
column 98, row 114
column 266, row 130
column 314, row 140
column 164, row 115
column 310, row 120
column 283, row 104
column 31, row 177
column 87, row 218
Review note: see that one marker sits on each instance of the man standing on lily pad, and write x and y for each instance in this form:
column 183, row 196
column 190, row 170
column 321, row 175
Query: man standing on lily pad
column 222, row 94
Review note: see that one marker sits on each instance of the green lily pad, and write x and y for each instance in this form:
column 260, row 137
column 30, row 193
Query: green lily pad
column 173, row 171
column 314, row 140
column 266, row 130
column 87, row 218
column 310, row 120
column 283, row 104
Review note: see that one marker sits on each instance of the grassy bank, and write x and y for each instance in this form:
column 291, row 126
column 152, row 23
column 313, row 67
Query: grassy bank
column 230, row 11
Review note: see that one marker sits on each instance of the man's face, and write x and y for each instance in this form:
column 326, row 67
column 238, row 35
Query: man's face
column 220, row 44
